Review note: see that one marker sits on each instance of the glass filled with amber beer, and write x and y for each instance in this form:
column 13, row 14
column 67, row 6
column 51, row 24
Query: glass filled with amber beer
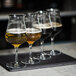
column 15, row 35
column 32, row 34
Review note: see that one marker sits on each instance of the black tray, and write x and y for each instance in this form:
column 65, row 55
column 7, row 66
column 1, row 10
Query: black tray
column 55, row 61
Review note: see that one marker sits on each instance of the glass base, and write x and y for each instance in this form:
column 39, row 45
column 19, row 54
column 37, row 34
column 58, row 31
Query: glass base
column 54, row 52
column 31, row 61
column 45, row 56
column 12, row 65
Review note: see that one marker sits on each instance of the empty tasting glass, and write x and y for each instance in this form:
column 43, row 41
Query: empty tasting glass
column 32, row 35
column 55, row 22
column 15, row 35
column 43, row 24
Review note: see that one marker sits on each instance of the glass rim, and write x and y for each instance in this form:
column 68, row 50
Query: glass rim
column 52, row 9
column 14, row 15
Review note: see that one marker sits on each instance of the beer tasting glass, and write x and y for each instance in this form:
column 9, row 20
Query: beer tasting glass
column 55, row 22
column 43, row 24
column 15, row 35
column 32, row 35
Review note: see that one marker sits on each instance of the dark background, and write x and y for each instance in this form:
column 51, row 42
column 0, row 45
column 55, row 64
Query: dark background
column 69, row 22
column 27, row 5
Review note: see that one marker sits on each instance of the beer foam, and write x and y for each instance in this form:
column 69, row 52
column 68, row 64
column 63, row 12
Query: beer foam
column 43, row 26
column 16, row 31
column 47, row 25
column 55, row 24
column 33, row 30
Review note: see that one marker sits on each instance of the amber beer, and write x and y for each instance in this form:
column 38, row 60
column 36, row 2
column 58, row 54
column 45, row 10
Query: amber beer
column 32, row 35
column 16, row 36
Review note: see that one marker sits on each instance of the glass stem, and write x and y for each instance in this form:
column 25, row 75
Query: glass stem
column 42, row 56
column 42, row 46
column 30, row 54
column 16, row 57
column 52, row 44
